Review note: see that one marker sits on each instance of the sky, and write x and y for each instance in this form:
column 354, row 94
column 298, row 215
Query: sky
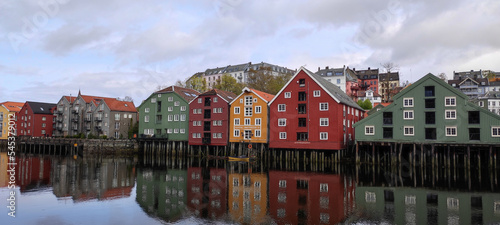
column 118, row 48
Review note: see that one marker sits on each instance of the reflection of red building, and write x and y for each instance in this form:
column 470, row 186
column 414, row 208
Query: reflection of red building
column 32, row 172
column 309, row 198
column 206, row 192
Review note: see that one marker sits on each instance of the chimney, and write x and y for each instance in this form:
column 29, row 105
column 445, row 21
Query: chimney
column 318, row 68
column 353, row 69
column 326, row 67
column 368, row 68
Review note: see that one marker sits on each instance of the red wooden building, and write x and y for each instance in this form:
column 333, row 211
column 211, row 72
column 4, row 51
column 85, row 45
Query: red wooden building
column 309, row 198
column 312, row 113
column 209, row 118
column 36, row 119
column 207, row 191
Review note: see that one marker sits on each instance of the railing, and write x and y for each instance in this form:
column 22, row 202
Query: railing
column 98, row 119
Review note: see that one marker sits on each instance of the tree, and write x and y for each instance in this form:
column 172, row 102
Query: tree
column 133, row 129
column 443, row 77
column 367, row 105
column 179, row 83
column 197, row 83
column 264, row 80
column 385, row 82
column 229, row 83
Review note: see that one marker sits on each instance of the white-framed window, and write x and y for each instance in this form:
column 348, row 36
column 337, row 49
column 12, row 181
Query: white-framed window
column 408, row 114
column 146, row 110
column 216, row 99
column 195, row 111
column 369, row 130
column 450, row 101
column 248, row 100
column 170, row 99
column 170, row 117
column 199, row 100
column 258, row 121
column 407, row 102
column 170, row 108
column 323, row 135
column 495, row 131
column 146, row 118
column 219, row 110
column 323, row 122
column 198, row 135
column 450, row 114
column 176, row 117
column 453, row 203
column 257, row 133
column 282, row 135
column 194, row 123
column 323, row 106
column 169, row 130
column 177, row 103
column 281, row 107
column 153, row 100
column 323, row 187
column 214, row 135
column 282, row 122
column 219, row 123
column 183, row 117
column 248, row 121
column 214, row 123
column 370, row 197
column 199, row 111
column 451, row 131
column 316, row 93
column 408, row 131
column 248, row 111
column 219, row 135
column 215, row 110
column 282, row 183
column 236, row 133
column 236, row 110
column 258, row 109
column 183, row 108
column 176, row 131
column 237, row 121
column 194, row 135
column 288, row 94
column 183, row 131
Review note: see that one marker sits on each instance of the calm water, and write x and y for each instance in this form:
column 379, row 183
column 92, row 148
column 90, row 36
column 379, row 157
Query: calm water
column 64, row 190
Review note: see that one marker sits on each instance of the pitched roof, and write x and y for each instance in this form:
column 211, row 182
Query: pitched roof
column 70, row 99
column 41, row 107
column 363, row 94
column 393, row 76
column 13, row 106
column 121, row 106
column 186, row 93
column 266, row 96
column 437, row 80
column 94, row 99
column 226, row 95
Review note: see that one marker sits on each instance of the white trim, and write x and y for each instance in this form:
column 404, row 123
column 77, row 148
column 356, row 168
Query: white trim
column 451, row 128
column 412, row 102
column 450, row 97
column 408, row 111
column 498, row 131
column 321, row 138
column 281, row 134
column 412, row 131
column 249, row 90
column 327, row 122
column 450, row 118
column 373, row 128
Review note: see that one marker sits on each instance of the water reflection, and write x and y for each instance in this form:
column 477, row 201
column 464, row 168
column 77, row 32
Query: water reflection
column 217, row 191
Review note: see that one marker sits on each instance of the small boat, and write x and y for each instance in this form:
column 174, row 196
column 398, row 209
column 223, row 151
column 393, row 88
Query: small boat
column 242, row 158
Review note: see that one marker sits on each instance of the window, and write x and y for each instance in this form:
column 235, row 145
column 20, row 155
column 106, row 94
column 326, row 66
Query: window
column 248, row 100
column 323, row 135
column 146, row 119
column 258, row 109
column 430, row 103
column 429, row 91
column 302, row 136
column 474, row 134
column 288, row 94
column 117, row 116
column 387, row 118
column 338, row 81
column 183, row 131
column 430, row 118
column 248, row 111
column 236, row 133
column 430, row 133
column 323, row 106
column 302, row 122
column 208, row 100
column 170, row 117
column 216, row 99
column 199, row 100
column 408, row 130
column 214, row 135
column 302, row 82
column 474, row 117
column 323, row 122
column 170, row 108
column 450, row 114
column 408, row 114
column 214, row 110
column 158, row 118
column 369, row 130
column 257, row 133
column 302, row 109
column 248, row 134
column 153, row 100
column 407, row 102
column 177, row 103
column 169, row 131
column 316, row 93
column 258, row 121
column 236, row 110
column 247, row 121
column 387, row 132
column 302, row 96
column 282, row 183
column 451, row 131
column 176, row 117
column 323, row 187
column 495, row 131
column 183, row 117
column 219, row 123
column 281, row 107
column 236, row 121
column 176, row 131
column 183, row 108
column 282, row 135
column 282, row 122
column 450, row 101
column 214, row 123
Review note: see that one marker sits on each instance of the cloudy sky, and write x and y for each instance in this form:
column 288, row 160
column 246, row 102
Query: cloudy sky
column 117, row 48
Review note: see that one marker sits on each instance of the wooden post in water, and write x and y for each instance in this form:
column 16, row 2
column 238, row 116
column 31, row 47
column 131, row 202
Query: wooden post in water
column 468, row 156
column 357, row 153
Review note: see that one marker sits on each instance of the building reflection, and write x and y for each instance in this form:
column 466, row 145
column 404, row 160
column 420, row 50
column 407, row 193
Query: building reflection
column 162, row 193
column 88, row 179
column 32, row 173
column 247, row 195
column 309, row 198
column 206, row 192
column 4, row 177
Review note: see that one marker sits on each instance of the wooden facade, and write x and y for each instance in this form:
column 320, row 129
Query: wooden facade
column 36, row 119
column 312, row 113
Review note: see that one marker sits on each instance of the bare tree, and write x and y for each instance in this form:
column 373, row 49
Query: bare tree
column 443, row 77
column 385, row 81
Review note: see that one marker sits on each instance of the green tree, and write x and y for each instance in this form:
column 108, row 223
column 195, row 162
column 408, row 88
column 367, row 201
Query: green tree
column 264, row 80
column 133, row 129
column 197, row 83
column 366, row 105
column 229, row 83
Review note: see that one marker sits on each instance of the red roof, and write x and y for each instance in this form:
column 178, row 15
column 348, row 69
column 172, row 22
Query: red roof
column 264, row 95
column 13, row 106
column 383, row 103
column 70, row 99
column 122, row 106
column 95, row 99
column 226, row 95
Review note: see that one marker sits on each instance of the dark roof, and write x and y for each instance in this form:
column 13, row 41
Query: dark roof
column 375, row 109
column 186, row 93
column 471, row 74
column 334, row 90
column 391, row 76
column 226, row 95
column 367, row 74
column 491, row 95
column 327, row 72
column 41, row 107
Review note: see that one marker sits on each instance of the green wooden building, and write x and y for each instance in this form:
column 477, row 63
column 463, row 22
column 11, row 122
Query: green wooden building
column 165, row 114
column 430, row 111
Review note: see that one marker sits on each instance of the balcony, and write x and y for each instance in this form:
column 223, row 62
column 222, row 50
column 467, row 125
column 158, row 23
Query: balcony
column 59, row 127
column 59, row 111
column 75, row 119
column 88, row 119
column 98, row 118
column 59, row 119
column 75, row 110
column 98, row 127
column 75, row 127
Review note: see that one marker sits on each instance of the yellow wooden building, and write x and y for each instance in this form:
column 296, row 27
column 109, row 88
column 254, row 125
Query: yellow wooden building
column 6, row 109
column 247, row 198
column 249, row 117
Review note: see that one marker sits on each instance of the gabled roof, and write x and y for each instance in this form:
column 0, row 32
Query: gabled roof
column 94, row 99
column 468, row 78
column 334, row 71
column 12, row 106
column 437, row 80
column 41, row 107
column 393, row 76
column 335, row 92
column 70, row 99
column 262, row 95
column 363, row 93
column 186, row 93
column 225, row 95
column 120, row 106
